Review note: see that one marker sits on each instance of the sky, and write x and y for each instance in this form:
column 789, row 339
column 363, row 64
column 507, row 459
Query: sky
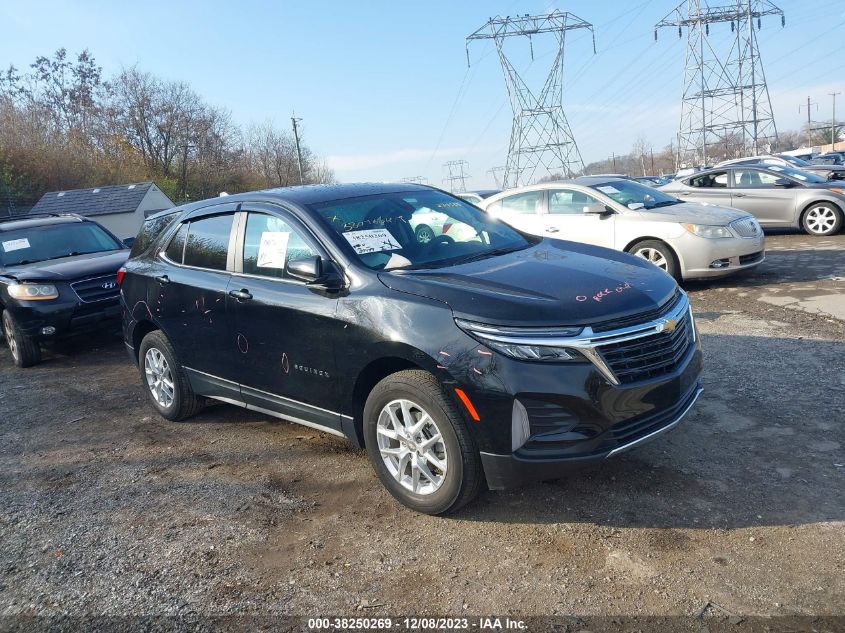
column 384, row 90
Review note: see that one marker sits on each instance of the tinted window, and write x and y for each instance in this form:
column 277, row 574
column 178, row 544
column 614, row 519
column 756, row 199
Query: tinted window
column 713, row 180
column 208, row 242
column 176, row 247
column 569, row 201
column 53, row 241
column 270, row 243
column 522, row 203
column 150, row 230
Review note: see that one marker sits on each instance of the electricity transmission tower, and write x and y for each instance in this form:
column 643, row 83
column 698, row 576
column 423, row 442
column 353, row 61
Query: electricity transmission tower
column 726, row 107
column 419, row 180
column 540, row 135
column 456, row 175
column 495, row 171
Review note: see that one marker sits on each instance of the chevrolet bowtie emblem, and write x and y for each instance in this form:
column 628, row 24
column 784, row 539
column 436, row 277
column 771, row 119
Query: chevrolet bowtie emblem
column 669, row 325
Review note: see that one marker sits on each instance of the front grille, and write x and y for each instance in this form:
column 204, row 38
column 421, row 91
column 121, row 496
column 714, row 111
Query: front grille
column 750, row 259
column 649, row 356
column 95, row 289
column 639, row 317
column 746, row 227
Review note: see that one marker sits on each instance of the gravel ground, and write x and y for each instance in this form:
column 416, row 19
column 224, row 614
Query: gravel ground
column 108, row 510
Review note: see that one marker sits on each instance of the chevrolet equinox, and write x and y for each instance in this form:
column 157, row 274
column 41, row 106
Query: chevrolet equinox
column 483, row 355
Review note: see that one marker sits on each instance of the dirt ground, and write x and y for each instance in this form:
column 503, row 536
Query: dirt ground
column 107, row 509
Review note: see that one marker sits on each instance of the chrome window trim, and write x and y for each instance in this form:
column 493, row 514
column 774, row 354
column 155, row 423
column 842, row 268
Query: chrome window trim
column 588, row 342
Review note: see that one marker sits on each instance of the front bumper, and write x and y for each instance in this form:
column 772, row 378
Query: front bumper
column 506, row 471
column 734, row 253
column 68, row 319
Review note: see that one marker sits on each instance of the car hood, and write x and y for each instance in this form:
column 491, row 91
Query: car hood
column 551, row 283
column 693, row 212
column 69, row 268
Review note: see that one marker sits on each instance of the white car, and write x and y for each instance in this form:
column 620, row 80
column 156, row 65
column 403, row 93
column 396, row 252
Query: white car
column 687, row 240
column 429, row 224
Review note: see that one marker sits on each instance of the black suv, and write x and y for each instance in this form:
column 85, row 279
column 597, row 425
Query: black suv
column 58, row 277
column 480, row 354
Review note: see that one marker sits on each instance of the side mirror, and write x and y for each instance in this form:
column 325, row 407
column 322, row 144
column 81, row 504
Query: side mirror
column 128, row 242
column 784, row 182
column 317, row 273
column 596, row 207
column 636, row 206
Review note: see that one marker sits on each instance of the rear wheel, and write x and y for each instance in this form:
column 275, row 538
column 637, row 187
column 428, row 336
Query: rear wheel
column 419, row 445
column 821, row 219
column 25, row 350
column 164, row 379
column 659, row 254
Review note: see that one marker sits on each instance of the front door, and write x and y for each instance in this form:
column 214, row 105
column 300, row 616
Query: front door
column 566, row 219
column 755, row 191
column 286, row 333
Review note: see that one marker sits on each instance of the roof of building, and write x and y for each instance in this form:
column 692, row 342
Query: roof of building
column 95, row 201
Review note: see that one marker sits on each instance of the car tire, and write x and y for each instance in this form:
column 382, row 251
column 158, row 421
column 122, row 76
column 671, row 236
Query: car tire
column 164, row 379
column 418, row 394
column 659, row 254
column 424, row 234
column 822, row 219
column 25, row 350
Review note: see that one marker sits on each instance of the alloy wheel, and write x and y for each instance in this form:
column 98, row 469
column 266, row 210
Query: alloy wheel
column 159, row 377
column 412, row 447
column 654, row 256
column 424, row 235
column 821, row 220
column 10, row 340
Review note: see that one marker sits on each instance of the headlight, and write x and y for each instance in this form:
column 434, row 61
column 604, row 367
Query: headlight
column 537, row 344
column 33, row 292
column 706, row 230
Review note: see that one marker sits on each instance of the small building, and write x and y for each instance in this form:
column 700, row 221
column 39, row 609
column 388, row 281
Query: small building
column 119, row 208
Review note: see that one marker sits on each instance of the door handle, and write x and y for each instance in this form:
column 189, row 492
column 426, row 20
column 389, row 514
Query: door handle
column 241, row 295
column 685, row 193
column 739, row 195
column 552, row 229
column 164, row 279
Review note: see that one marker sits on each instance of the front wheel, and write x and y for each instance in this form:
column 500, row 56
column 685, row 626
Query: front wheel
column 822, row 219
column 25, row 350
column 659, row 254
column 419, row 445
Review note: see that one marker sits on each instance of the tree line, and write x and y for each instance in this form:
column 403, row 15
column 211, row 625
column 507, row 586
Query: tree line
column 63, row 125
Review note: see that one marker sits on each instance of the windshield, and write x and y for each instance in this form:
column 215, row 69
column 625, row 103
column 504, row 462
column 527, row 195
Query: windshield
column 627, row 192
column 52, row 241
column 803, row 176
column 417, row 229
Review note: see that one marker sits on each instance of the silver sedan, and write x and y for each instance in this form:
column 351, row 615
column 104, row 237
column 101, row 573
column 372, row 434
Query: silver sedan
column 777, row 196
column 686, row 240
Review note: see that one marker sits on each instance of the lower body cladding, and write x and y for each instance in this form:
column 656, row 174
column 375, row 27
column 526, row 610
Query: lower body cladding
column 554, row 419
column 48, row 321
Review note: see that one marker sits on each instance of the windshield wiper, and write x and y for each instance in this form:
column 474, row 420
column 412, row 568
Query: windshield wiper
column 485, row 254
column 665, row 203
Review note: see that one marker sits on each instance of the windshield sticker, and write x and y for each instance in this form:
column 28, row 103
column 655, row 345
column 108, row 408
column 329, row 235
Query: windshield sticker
column 607, row 189
column 273, row 249
column 372, row 241
column 15, row 245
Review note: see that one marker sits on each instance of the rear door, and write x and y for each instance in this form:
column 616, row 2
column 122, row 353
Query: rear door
column 754, row 190
column 523, row 211
column 286, row 332
column 710, row 187
column 188, row 298
column 566, row 219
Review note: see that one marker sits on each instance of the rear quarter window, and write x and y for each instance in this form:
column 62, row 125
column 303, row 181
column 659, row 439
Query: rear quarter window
column 150, row 230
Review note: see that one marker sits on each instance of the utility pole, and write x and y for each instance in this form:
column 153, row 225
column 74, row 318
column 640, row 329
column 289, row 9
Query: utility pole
column 456, row 175
column 833, row 122
column 725, row 91
column 540, row 134
column 613, row 154
column 809, row 120
column 651, row 151
column 295, row 120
